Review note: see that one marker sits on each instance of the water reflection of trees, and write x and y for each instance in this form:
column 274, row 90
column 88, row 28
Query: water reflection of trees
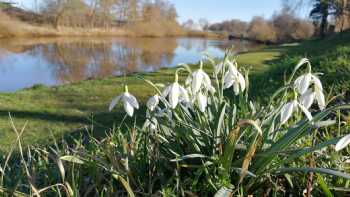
column 80, row 60
column 75, row 59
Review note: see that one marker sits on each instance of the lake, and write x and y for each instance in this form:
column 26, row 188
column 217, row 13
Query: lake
column 27, row 62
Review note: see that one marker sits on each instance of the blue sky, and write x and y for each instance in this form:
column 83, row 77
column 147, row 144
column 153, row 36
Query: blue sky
column 219, row 10
column 213, row 10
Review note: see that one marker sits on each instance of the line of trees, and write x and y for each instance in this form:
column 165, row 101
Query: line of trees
column 106, row 13
column 284, row 26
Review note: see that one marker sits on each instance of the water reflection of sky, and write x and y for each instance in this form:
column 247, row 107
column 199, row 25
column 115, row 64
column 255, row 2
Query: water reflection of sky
column 25, row 63
column 19, row 71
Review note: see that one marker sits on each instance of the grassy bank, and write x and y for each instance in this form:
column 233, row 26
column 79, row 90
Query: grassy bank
column 73, row 107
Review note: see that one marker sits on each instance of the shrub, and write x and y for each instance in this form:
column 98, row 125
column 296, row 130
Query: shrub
column 289, row 28
column 261, row 30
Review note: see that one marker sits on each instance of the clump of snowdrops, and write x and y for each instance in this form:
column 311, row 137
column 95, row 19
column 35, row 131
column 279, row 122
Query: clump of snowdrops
column 205, row 136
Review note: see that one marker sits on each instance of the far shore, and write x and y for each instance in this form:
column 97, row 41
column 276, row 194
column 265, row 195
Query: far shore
column 26, row 30
column 12, row 27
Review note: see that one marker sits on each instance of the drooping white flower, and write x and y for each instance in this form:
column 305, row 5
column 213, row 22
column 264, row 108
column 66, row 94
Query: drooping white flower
column 303, row 82
column 234, row 78
column 307, row 98
column 310, row 96
column 129, row 102
column 199, row 79
column 342, row 143
column 288, row 109
column 175, row 93
column 202, row 101
column 153, row 102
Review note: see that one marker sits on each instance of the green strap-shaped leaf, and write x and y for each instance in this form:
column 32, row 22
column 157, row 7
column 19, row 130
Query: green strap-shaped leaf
column 73, row 159
column 293, row 134
column 316, row 170
column 191, row 156
column 324, row 186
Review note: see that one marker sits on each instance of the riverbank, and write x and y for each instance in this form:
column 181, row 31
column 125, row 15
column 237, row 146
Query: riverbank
column 13, row 28
column 56, row 111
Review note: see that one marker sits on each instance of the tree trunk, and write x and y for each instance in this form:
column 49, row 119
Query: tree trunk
column 324, row 20
column 323, row 27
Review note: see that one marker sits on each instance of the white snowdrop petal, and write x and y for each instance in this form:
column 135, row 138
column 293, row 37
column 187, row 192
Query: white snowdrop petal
column 305, row 111
column 241, row 81
column 342, row 143
column 307, row 98
column 228, row 80
column 232, row 68
column 317, row 82
column 320, row 99
column 174, row 94
column 286, row 112
column 236, row 88
column 297, row 82
column 128, row 108
column 114, row 102
column 304, row 83
column 153, row 102
column 197, row 81
column 184, row 94
column 206, row 79
column 132, row 100
column 202, row 102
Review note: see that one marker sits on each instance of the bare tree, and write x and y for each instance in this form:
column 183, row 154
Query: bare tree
column 261, row 30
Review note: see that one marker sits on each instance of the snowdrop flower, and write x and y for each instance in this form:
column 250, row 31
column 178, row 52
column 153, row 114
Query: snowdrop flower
column 288, row 109
column 303, row 82
column 175, row 93
column 202, row 101
column 310, row 96
column 198, row 79
column 153, row 102
column 342, row 143
column 128, row 100
column 235, row 79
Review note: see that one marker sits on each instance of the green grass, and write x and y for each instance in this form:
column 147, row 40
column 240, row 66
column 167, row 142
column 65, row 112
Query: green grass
column 330, row 56
column 74, row 107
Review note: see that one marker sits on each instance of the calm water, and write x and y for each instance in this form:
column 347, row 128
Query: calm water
column 54, row 61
